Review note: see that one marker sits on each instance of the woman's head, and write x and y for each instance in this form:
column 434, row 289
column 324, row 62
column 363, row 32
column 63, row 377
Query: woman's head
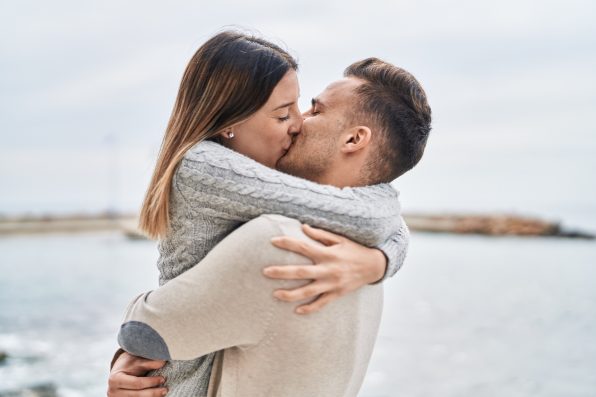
column 225, row 89
column 227, row 80
column 267, row 134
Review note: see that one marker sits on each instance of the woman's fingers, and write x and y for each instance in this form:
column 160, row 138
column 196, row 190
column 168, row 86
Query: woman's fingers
column 318, row 304
column 140, row 382
column 305, row 292
column 122, row 384
column 296, row 272
column 133, row 365
column 155, row 392
column 145, row 365
column 127, row 377
column 302, row 247
column 322, row 236
column 159, row 392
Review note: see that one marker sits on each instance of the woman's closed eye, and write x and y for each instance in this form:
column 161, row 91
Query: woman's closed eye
column 284, row 118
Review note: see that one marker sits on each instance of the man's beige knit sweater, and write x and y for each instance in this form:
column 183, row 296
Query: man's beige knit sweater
column 226, row 302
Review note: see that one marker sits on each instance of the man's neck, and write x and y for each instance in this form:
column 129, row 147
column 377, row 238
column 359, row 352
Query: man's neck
column 341, row 176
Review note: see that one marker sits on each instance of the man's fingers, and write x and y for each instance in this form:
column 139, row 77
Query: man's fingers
column 302, row 247
column 308, row 291
column 317, row 304
column 322, row 236
column 296, row 272
column 121, row 380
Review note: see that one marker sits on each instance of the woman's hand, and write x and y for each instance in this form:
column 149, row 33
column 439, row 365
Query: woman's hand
column 127, row 377
column 341, row 266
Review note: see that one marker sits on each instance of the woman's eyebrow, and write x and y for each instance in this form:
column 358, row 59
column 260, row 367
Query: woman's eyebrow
column 283, row 106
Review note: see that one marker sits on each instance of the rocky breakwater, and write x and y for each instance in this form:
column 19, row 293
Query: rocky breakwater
column 14, row 225
column 491, row 225
column 485, row 224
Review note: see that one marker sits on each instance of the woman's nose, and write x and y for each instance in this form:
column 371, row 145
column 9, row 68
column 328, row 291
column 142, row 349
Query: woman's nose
column 298, row 119
column 296, row 127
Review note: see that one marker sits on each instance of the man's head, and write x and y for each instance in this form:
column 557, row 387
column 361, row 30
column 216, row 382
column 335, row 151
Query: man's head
column 369, row 127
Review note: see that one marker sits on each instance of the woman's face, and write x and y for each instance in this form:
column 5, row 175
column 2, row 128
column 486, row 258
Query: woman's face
column 267, row 135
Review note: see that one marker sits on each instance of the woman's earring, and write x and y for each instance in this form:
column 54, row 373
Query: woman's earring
column 230, row 135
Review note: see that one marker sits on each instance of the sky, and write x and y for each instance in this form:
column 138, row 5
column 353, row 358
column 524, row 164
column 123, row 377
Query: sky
column 86, row 89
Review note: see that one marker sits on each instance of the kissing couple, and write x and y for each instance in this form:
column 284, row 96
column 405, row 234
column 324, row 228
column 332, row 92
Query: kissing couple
column 276, row 228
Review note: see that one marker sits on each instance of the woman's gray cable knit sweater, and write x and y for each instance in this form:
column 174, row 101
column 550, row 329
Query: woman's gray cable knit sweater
column 216, row 189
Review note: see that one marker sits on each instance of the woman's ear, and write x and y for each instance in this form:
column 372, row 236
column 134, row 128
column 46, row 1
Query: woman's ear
column 357, row 138
column 228, row 133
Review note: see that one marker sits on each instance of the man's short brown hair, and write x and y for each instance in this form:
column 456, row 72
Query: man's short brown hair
column 394, row 103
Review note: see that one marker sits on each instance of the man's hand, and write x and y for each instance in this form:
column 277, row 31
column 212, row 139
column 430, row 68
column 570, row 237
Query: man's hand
column 341, row 266
column 127, row 378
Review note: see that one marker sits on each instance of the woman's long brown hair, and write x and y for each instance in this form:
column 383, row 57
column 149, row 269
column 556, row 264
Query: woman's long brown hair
column 227, row 80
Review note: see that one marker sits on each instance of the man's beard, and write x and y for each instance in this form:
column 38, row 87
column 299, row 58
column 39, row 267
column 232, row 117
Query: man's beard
column 303, row 162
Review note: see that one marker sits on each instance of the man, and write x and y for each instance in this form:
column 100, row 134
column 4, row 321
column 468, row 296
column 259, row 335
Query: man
column 369, row 127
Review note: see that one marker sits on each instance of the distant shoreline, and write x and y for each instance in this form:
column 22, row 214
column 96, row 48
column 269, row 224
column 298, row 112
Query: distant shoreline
column 478, row 224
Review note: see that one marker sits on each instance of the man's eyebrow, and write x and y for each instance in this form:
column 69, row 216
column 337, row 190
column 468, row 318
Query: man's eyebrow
column 283, row 106
column 315, row 102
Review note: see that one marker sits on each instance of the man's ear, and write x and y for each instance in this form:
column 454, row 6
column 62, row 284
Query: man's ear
column 356, row 138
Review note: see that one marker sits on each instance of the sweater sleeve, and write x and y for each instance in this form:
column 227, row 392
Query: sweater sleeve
column 232, row 186
column 396, row 249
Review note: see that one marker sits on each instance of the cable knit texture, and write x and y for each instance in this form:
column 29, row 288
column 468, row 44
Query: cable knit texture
column 216, row 189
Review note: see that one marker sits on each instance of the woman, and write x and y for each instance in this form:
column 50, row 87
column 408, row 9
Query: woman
column 234, row 118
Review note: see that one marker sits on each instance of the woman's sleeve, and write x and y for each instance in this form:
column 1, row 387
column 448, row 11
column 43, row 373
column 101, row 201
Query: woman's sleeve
column 396, row 249
column 232, row 186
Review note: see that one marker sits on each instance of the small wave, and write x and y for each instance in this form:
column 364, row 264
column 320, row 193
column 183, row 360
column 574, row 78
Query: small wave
column 20, row 346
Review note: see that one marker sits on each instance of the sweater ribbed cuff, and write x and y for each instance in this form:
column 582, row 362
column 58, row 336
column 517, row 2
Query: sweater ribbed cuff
column 395, row 250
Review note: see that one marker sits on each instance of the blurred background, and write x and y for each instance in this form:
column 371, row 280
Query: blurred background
column 86, row 89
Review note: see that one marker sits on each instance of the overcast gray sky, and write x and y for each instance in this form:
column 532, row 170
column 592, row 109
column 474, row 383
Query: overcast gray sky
column 511, row 84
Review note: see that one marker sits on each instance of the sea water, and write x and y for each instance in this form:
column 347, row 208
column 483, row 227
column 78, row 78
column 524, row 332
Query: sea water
column 466, row 316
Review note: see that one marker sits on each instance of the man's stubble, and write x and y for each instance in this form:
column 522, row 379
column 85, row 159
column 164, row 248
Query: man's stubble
column 308, row 158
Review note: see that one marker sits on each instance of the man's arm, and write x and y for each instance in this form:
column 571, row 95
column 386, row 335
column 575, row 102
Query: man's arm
column 221, row 302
